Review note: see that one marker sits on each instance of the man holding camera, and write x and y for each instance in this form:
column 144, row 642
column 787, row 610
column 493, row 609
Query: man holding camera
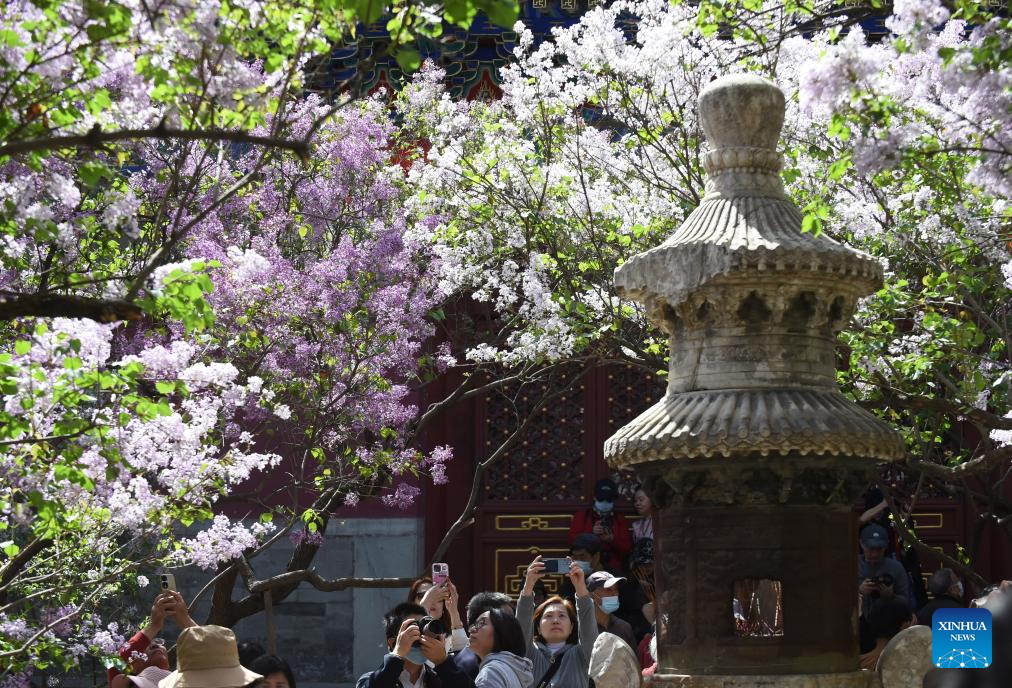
column 878, row 576
column 610, row 528
column 417, row 657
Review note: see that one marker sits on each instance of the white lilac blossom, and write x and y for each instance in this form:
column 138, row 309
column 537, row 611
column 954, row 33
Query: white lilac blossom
column 223, row 541
column 1003, row 437
column 915, row 19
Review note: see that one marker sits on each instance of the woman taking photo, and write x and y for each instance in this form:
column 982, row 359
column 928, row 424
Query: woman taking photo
column 441, row 602
column 497, row 638
column 559, row 638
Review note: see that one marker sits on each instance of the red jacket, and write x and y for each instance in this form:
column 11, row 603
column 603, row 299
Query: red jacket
column 614, row 553
column 139, row 643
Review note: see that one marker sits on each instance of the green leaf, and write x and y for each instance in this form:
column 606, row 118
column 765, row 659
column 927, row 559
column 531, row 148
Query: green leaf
column 502, row 12
column 22, row 347
column 409, row 59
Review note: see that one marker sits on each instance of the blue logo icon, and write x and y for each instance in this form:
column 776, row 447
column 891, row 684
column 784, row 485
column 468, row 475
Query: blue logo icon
column 961, row 638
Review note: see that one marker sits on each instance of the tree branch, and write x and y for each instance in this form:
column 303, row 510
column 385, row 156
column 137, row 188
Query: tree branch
column 293, row 578
column 17, row 564
column 96, row 137
column 66, row 306
column 907, row 535
column 894, row 397
column 981, row 464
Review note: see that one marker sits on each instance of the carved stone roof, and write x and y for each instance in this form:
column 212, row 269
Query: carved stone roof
column 735, row 423
column 725, row 235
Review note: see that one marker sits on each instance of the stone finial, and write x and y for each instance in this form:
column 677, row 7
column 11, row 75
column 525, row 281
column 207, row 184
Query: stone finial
column 752, row 306
column 742, row 116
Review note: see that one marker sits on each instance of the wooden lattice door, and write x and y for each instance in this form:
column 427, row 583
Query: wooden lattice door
column 531, row 492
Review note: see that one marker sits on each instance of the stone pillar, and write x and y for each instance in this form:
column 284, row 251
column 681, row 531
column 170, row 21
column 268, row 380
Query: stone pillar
column 753, row 457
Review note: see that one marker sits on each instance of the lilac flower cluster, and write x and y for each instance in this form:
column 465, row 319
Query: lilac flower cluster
column 223, row 541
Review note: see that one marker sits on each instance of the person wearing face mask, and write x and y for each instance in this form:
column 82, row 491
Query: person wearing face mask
column 601, row 520
column 604, row 589
column 441, row 602
column 415, row 659
column 947, row 593
column 559, row 637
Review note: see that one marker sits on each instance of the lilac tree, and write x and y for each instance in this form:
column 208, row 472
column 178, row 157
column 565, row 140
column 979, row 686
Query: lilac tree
column 897, row 146
column 205, row 274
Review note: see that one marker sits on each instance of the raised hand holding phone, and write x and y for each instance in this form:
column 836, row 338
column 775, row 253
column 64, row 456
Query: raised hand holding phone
column 578, row 577
column 535, row 572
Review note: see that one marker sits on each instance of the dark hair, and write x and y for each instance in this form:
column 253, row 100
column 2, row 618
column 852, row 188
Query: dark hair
column 887, row 617
column 395, row 617
column 588, row 542
column 265, row 665
column 413, row 593
column 249, row 651
column 570, row 610
column 485, row 602
column 940, row 581
column 508, row 635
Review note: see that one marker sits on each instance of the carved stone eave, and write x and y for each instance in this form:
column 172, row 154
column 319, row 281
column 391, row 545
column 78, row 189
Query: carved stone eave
column 744, row 234
column 735, row 423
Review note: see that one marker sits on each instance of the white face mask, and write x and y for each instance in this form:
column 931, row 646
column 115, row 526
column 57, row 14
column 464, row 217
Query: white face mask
column 959, row 589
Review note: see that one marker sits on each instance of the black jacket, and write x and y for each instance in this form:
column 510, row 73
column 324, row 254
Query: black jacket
column 940, row 602
column 446, row 675
column 467, row 662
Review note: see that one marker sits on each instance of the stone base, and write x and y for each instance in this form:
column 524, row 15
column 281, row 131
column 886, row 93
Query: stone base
column 856, row 679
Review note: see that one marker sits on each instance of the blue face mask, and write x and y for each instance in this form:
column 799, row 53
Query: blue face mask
column 603, row 507
column 415, row 656
column 585, row 565
column 609, row 604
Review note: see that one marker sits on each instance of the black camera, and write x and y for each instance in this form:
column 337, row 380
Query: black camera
column 885, row 580
column 428, row 625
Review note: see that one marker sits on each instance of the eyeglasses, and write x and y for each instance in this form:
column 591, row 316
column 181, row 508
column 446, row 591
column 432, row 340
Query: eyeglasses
column 478, row 625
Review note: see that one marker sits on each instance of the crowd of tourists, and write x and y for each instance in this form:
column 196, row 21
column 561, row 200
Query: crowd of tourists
column 597, row 631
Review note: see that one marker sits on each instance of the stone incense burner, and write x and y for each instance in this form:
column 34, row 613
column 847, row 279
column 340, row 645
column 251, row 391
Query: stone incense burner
column 754, row 457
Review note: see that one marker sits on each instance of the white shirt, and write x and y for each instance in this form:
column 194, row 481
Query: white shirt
column 457, row 640
column 405, row 678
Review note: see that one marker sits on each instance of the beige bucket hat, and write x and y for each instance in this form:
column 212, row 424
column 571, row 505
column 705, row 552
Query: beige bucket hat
column 149, row 678
column 207, row 657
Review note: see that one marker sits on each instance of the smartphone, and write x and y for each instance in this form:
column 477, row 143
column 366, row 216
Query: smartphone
column 168, row 581
column 556, row 565
column 440, row 573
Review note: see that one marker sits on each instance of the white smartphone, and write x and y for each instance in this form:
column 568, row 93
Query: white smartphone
column 440, row 573
column 168, row 581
